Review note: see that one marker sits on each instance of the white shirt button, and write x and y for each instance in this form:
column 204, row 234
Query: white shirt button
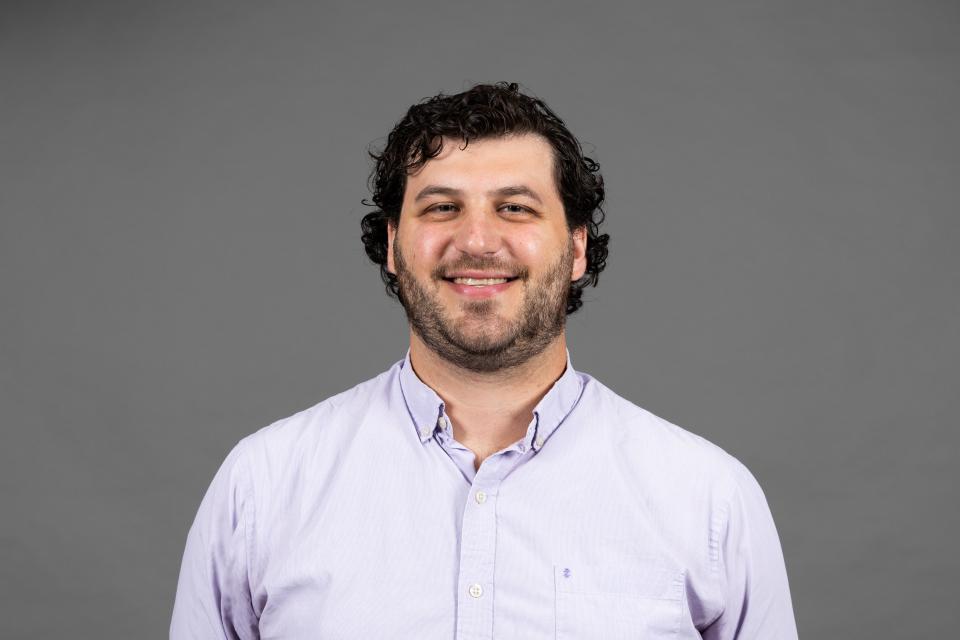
column 475, row 590
column 442, row 422
column 538, row 442
column 425, row 432
column 481, row 497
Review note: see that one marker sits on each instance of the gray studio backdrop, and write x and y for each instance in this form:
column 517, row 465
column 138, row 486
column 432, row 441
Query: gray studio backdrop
column 180, row 264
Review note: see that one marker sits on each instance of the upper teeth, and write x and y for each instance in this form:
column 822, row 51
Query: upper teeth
column 480, row 281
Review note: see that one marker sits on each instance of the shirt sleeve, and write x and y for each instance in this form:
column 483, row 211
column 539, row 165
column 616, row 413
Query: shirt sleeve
column 213, row 593
column 753, row 577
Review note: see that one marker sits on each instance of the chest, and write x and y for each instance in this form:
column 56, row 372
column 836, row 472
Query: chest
column 509, row 555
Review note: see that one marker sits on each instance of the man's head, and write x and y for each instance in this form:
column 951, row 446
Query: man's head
column 486, row 183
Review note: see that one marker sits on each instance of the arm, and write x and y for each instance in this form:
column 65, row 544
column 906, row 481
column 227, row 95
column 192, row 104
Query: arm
column 213, row 594
column 753, row 578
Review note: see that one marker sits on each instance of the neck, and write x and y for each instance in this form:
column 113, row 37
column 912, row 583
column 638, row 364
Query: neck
column 489, row 410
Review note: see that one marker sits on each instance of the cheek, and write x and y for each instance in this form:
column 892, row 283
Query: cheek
column 430, row 245
column 421, row 250
column 532, row 249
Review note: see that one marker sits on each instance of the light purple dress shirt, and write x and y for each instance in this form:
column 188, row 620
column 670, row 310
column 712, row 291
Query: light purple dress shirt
column 363, row 518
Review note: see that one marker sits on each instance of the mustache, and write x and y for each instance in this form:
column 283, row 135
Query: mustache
column 470, row 264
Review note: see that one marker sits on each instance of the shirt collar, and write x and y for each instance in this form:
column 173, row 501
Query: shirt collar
column 426, row 407
column 423, row 403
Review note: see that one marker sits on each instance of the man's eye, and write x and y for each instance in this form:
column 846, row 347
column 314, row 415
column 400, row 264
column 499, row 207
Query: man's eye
column 442, row 208
column 514, row 208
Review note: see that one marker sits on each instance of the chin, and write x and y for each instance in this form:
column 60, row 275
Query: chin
column 483, row 329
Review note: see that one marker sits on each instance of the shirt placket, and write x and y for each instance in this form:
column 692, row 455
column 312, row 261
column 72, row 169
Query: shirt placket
column 478, row 550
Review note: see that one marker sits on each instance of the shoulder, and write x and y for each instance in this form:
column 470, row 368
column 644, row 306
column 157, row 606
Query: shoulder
column 325, row 426
column 662, row 447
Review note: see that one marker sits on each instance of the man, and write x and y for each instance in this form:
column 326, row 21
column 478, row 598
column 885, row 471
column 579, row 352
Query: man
column 481, row 487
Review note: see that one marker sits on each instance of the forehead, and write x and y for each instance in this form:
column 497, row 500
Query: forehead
column 490, row 163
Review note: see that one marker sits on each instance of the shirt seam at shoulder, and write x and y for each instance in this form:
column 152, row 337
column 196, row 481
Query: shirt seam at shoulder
column 718, row 524
column 249, row 521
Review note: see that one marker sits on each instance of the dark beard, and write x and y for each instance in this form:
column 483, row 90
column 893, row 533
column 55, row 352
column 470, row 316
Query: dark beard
column 542, row 317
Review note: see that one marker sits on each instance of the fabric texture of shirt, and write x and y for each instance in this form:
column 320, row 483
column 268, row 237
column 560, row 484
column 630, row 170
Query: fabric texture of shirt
column 362, row 517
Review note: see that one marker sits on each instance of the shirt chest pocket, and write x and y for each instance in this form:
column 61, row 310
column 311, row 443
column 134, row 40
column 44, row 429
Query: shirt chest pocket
column 641, row 601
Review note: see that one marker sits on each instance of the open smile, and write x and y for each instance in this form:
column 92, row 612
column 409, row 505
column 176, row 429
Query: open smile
column 479, row 287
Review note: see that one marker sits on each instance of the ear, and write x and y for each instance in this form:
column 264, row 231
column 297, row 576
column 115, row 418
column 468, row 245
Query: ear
column 579, row 239
column 391, row 235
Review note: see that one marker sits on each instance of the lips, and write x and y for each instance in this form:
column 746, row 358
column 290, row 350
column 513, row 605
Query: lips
column 479, row 287
column 478, row 274
column 479, row 282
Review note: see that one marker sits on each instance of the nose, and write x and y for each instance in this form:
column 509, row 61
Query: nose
column 478, row 233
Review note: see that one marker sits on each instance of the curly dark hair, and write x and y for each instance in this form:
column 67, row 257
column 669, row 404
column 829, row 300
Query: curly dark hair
column 484, row 111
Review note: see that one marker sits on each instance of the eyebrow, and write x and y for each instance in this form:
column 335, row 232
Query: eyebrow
column 512, row 190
